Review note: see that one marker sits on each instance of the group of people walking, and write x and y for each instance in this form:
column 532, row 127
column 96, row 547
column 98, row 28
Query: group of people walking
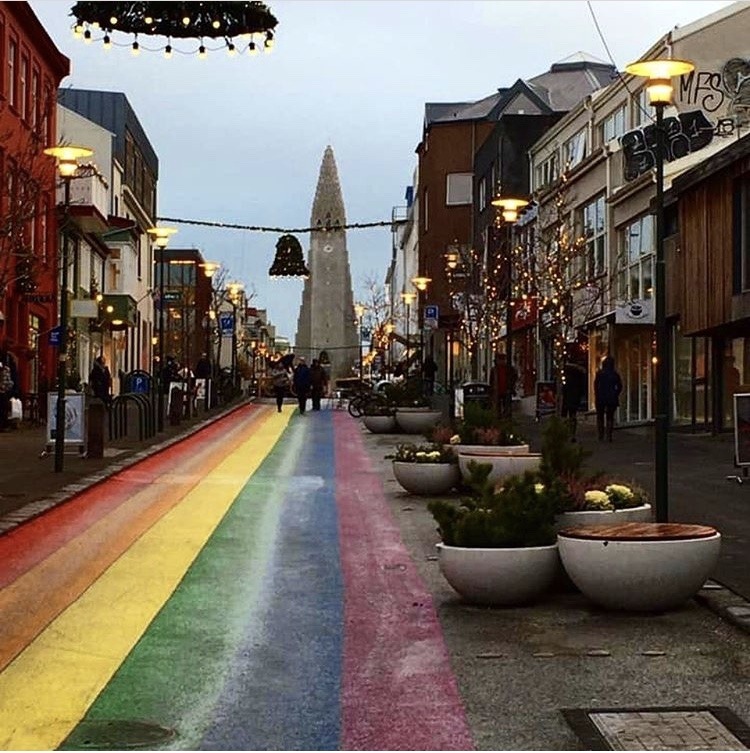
column 305, row 381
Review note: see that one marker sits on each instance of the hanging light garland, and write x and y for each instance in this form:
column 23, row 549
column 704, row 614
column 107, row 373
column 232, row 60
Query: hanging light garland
column 230, row 22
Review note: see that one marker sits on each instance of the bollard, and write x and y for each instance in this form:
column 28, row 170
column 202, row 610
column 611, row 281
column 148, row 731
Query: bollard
column 95, row 432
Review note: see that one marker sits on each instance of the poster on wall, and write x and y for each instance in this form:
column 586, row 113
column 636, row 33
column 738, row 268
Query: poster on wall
column 546, row 399
column 742, row 429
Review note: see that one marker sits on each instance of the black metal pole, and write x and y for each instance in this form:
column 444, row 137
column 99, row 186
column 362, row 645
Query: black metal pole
column 509, row 327
column 406, row 360
column 160, row 384
column 361, row 365
column 661, row 445
column 62, row 353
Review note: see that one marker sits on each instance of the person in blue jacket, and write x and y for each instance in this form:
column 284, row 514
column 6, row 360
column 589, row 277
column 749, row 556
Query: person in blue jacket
column 302, row 383
column 607, row 389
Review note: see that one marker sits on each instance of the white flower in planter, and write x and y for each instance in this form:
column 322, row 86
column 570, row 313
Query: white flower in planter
column 598, row 500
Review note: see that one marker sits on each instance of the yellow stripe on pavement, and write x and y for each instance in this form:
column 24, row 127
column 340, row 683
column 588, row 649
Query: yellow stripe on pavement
column 48, row 688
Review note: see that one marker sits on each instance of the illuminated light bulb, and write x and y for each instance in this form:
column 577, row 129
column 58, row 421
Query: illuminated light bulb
column 269, row 41
column 231, row 51
column 113, row 20
column 186, row 20
column 87, row 36
column 107, row 43
column 148, row 20
column 95, row 24
column 202, row 53
column 78, row 31
column 252, row 49
column 168, row 51
column 136, row 49
column 216, row 23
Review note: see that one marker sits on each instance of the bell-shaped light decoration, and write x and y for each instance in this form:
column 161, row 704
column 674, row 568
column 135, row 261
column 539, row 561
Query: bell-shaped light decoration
column 289, row 260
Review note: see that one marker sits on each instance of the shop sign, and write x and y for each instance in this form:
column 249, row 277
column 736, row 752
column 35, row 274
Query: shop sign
column 640, row 311
column 524, row 313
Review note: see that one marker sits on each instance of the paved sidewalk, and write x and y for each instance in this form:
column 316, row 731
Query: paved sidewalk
column 29, row 485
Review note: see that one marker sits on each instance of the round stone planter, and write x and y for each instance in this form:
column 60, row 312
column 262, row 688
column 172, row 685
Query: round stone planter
column 426, row 478
column 380, row 424
column 491, row 449
column 417, row 420
column 646, row 571
column 502, row 465
column 499, row 577
column 575, row 518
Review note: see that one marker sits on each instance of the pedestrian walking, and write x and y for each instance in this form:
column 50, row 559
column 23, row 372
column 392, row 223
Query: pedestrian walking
column 573, row 391
column 318, row 383
column 302, row 384
column 429, row 369
column 607, row 389
column 281, row 382
column 100, row 380
column 203, row 367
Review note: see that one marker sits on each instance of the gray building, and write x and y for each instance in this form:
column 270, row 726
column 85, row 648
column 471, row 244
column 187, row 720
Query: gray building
column 326, row 326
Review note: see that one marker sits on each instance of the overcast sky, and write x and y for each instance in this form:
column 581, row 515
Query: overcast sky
column 241, row 139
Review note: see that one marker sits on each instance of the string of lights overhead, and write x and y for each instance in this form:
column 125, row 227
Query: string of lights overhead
column 243, row 27
column 330, row 227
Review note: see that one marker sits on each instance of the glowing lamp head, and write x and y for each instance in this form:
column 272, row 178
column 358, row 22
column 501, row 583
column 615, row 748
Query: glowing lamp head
column 421, row 283
column 210, row 268
column 67, row 157
column 509, row 207
column 161, row 235
column 659, row 73
column 408, row 298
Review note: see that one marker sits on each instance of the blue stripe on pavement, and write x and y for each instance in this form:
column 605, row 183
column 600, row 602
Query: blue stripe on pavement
column 283, row 692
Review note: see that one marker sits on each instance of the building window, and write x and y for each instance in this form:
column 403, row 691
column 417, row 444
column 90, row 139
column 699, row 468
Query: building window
column 745, row 232
column 574, row 149
column 12, row 67
column 595, row 234
column 458, row 189
column 614, row 126
column 35, row 95
column 23, row 94
column 636, row 264
column 641, row 109
column 482, row 193
column 546, row 172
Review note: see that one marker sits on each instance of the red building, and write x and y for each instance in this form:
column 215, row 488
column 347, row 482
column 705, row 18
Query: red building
column 31, row 69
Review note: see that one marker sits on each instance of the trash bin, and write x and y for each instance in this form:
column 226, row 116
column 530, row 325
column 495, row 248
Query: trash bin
column 477, row 393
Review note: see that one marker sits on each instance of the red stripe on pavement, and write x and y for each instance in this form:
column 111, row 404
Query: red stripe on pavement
column 26, row 546
column 398, row 691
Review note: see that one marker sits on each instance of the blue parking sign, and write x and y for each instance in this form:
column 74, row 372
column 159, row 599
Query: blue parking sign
column 226, row 323
column 431, row 312
column 54, row 335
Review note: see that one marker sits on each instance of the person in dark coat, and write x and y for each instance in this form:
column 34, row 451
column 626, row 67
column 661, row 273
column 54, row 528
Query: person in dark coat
column 302, row 384
column 573, row 392
column 429, row 369
column 318, row 383
column 203, row 367
column 280, row 381
column 607, row 389
column 100, row 380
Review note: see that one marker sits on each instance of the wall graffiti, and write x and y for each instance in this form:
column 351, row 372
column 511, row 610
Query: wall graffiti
column 726, row 92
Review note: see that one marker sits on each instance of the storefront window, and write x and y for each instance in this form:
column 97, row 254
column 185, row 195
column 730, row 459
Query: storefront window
column 636, row 260
column 682, row 373
column 735, row 375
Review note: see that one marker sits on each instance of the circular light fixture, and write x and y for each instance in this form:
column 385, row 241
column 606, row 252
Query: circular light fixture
column 161, row 235
column 67, row 157
column 659, row 73
column 421, row 283
column 510, row 207
column 198, row 20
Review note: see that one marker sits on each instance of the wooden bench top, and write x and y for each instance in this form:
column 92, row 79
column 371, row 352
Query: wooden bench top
column 640, row 532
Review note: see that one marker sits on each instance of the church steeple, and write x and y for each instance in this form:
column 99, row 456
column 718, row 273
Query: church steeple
column 328, row 205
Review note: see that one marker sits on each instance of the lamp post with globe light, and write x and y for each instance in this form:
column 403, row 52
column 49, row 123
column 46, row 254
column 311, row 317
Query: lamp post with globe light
column 67, row 164
column 659, row 87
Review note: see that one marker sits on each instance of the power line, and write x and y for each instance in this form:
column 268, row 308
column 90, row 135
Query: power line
column 612, row 60
column 266, row 229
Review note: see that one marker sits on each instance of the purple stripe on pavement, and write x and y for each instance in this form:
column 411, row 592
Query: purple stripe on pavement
column 398, row 691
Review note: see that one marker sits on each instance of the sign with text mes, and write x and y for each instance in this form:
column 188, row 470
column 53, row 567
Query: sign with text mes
column 742, row 429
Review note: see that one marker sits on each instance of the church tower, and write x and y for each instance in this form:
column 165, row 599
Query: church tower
column 326, row 323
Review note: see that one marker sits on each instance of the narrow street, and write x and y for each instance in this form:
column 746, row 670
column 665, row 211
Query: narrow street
column 265, row 584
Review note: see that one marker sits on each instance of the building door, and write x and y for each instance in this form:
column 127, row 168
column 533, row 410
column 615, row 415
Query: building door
column 634, row 364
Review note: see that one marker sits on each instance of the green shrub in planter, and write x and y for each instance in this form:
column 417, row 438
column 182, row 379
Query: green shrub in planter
column 520, row 514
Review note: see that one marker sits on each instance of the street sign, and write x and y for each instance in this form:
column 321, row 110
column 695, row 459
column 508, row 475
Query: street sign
column 226, row 323
column 172, row 296
column 54, row 335
column 431, row 312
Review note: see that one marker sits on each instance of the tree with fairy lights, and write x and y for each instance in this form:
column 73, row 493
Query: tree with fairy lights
column 558, row 259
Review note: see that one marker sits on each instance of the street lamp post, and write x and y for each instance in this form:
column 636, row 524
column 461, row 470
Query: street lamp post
column 408, row 299
column 160, row 236
column 359, row 310
column 421, row 283
column 67, row 164
column 659, row 88
column 509, row 208
column 235, row 290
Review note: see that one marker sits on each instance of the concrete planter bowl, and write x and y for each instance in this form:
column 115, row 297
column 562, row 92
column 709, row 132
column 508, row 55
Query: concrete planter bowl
column 575, row 518
column 426, row 478
column 380, row 424
column 499, row 577
column 417, row 420
column 502, row 465
column 491, row 449
column 641, row 574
